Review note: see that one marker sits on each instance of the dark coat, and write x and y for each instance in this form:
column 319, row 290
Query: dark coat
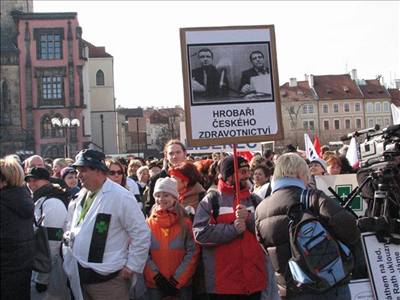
column 213, row 78
column 272, row 225
column 16, row 238
column 246, row 75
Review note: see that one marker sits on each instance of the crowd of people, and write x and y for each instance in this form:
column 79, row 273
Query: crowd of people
column 162, row 229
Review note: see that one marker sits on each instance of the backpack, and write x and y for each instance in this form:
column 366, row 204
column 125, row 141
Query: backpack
column 318, row 262
column 214, row 197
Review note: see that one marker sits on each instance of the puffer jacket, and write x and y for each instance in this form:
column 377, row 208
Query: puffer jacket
column 272, row 225
column 234, row 263
column 173, row 251
column 16, row 237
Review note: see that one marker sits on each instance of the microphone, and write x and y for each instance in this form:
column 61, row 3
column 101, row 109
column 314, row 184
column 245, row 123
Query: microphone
column 358, row 133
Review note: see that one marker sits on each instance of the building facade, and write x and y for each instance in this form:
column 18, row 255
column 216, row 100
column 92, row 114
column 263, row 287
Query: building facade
column 13, row 138
column 102, row 100
column 51, row 62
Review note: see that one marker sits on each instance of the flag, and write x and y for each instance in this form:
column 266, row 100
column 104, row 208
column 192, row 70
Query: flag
column 317, row 145
column 352, row 154
column 395, row 114
column 310, row 150
column 245, row 154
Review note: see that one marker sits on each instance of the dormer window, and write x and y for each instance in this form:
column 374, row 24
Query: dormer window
column 346, row 89
column 328, row 91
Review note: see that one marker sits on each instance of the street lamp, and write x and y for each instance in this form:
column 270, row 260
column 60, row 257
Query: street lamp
column 65, row 123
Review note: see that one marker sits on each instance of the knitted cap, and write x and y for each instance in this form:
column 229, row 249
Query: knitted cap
column 319, row 161
column 226, row 167
column 166, row 185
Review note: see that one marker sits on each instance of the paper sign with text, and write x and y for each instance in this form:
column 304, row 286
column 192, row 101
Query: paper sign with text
column 361, row 289
column 383, row 262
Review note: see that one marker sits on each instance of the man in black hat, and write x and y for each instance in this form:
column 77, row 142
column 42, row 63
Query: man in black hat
column 224, row 227
column 50, row 212
column 107, row 235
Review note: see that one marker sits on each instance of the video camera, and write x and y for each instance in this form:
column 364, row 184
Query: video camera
column 379, row 181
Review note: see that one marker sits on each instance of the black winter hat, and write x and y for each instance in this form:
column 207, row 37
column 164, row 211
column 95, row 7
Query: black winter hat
column 226, row 168
column 38, row 173
column 90, row 158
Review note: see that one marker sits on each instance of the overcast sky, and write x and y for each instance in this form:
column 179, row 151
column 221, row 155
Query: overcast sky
column 317, row 38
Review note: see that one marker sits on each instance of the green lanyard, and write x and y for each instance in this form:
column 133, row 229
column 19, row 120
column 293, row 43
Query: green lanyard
column 86, row 205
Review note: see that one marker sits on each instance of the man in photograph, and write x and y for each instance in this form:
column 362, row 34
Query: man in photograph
column 257, row 78
column 207, row 81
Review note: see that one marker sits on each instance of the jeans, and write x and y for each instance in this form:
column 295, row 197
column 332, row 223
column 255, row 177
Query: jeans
column 341, row 292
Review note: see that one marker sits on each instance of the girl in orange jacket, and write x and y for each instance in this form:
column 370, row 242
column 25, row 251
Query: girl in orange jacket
column 173, row 253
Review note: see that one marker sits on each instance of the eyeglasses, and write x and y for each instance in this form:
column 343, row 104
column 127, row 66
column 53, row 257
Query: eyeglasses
column 112, row 173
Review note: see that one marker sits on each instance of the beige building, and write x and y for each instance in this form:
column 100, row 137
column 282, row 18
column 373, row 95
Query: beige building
column 103, row 119
column 331, row 106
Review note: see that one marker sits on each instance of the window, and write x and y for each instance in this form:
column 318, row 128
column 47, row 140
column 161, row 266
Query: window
column 346, row 107
column 308, row 124
column 52, row 88
column 325, row 108
column 357, row 107
column 377, row 106
column 335, row 107
column 308, row 109
column 99, row 77
column 5, row 104
column 386, row 106
column 291, row 109
column 371, row 123
column 337, row 124
column 347, row 123
column 47, row 130
column 379, row 121
column 358, row 123
column 387, row 122
column 370, row 107
column 326, row 124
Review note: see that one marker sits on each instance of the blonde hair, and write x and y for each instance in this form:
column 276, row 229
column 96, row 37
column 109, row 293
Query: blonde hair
column 11, row 171
column 141, row 170
column 290, row 165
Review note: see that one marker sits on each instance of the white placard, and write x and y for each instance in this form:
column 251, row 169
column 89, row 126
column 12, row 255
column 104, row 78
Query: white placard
column 383, row 262
column 342, row 184
column 361, row 289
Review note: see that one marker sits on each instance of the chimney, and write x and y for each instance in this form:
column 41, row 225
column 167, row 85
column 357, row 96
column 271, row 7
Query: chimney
column 311, row 81
column 292, row 82
column 353, row 74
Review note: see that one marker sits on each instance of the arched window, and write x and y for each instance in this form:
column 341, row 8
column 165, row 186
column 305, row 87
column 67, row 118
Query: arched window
column 5, row 104
column 377, row 106
column 99, row 77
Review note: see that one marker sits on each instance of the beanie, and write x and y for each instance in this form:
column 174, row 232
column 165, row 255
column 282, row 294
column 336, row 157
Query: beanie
column 321, row 162
column 226, row 167
column 166, row 185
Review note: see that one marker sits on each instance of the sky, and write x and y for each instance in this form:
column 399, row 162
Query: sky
column 312, row 37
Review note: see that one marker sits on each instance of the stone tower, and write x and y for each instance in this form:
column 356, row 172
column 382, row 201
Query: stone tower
column 12, row 137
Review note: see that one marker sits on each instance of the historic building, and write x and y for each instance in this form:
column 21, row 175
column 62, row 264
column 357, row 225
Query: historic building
column 51, row 63
column 102, row 100
column 13, row 138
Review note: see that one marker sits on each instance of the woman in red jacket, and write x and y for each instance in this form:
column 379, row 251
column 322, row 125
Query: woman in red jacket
column 173, row 253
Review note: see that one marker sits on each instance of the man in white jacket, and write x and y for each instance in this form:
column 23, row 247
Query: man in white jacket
column 108, row 238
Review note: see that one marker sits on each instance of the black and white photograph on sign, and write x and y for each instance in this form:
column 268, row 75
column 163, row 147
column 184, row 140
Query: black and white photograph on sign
column 230, row 72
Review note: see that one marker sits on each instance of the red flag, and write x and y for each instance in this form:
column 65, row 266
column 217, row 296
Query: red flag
column 317, row 146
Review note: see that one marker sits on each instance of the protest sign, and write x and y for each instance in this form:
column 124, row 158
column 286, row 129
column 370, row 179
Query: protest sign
column 383, row 262
column 231, row 85
column 343, row 185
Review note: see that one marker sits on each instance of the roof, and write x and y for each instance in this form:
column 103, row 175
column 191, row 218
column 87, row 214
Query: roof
column 372, row 89
column 336, row 87
column 395, row 95
column 300, row 92
column 95, row 51
column 131, row 112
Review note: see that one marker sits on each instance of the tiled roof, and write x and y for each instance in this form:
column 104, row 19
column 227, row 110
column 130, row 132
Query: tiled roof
column 372, row 89
column 300, row 92
column 95, row 51
column 336, row 87
column 395, row 95
column 131, row 112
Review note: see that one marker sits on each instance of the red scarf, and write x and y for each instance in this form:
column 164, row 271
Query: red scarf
column 225, row 188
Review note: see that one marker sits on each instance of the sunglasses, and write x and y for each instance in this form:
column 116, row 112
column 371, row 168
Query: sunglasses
column 112, row 173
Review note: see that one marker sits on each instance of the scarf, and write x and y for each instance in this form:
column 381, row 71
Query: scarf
column 165, row 217
column 225, row 188
column 286, row 182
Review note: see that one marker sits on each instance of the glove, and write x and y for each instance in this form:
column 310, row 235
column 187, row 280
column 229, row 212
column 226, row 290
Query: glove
column 41, row 287
column 166, row 287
